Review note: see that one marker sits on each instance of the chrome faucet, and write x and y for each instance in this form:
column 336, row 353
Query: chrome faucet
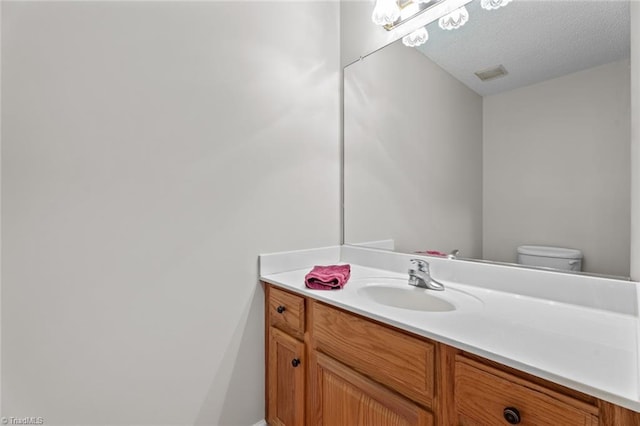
column 420, row 276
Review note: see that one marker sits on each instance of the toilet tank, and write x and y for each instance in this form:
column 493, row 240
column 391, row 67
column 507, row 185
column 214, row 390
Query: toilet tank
column 550, row 257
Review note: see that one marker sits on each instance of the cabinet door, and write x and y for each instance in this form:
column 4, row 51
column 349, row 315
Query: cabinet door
column 286, row 368
column 343, row 397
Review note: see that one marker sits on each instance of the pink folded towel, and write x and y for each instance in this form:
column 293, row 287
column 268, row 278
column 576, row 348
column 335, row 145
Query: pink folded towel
column 432, row 253
column 328, row 277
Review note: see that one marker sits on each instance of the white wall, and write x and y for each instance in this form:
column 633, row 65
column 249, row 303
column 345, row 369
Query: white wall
column 0, row 208
column 413, row 154
column 635, row 141
column 358, row 35
column 556, row 168
column 150, row 152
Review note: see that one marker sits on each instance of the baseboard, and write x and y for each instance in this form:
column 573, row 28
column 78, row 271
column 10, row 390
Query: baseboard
column 260, row 423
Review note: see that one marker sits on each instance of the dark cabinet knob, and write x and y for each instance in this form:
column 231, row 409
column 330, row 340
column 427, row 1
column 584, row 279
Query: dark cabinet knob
column 511, row 415
column 295, row 362
column 281, row 309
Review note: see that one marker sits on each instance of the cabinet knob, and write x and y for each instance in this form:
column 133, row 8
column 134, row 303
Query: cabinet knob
column 511, row 415
column 295, row 362
column 281, row 309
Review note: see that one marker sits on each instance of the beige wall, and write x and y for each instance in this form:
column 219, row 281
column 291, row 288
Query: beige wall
column 557, row 172
column 635, row 141
column 150, row 152
column 413, row 154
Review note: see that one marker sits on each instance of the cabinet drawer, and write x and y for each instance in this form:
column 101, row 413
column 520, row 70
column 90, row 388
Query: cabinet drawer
column 486, row 396
column 401, row 362
column 286, row 312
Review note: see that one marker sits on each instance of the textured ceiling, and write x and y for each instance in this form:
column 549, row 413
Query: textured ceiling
column 534, row 40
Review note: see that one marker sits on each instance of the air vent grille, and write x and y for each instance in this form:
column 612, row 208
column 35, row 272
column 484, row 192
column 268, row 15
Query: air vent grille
column 491, row 73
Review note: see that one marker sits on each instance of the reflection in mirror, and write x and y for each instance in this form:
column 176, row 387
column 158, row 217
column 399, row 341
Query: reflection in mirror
column 436, row 159
column 392, row 13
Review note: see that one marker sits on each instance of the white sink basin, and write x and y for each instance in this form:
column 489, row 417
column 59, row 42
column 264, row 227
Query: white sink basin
column 398, row 294
column 413, row 298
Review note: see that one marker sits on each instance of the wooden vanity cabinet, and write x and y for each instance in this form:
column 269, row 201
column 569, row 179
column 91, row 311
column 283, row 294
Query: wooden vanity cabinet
column 327, row 366
column 286, row 358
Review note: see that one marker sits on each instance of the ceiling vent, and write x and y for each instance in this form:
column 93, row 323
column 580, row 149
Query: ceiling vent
column 492, row 73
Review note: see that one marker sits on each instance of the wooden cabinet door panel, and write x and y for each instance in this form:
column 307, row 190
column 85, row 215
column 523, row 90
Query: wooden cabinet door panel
column 286, row 380
column 345, row 398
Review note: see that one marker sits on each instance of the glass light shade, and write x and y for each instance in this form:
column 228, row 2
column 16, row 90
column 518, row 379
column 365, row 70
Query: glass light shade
column 409, row 10
column 493, row 4
column 455, row 19
column 416, row 38
column 386, row 12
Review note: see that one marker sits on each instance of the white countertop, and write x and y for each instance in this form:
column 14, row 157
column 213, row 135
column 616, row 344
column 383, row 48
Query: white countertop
column 584, row 348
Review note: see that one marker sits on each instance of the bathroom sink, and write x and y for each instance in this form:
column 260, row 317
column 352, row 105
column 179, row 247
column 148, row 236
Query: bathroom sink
column 415, row 299
column 398, row 294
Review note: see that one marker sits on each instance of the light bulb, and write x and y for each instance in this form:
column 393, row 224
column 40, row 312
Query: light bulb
column 493, row 4
column 416, row 38
column 386, row 12
column 409, row 10
column 455, row 19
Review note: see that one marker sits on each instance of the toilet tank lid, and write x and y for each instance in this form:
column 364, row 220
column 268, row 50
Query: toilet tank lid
column 545, row 251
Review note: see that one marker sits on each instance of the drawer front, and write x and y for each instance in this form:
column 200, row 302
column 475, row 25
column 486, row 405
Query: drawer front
column 392, row 358
column 485, row 396
column 286, row 312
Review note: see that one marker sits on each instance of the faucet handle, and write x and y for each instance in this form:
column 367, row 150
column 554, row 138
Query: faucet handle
column 419, row 264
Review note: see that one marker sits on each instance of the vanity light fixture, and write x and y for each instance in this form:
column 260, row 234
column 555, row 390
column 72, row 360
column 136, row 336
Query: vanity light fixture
column 416, row 38
column 391, row 13
column 419, row 36
column 386, row 12
column 493, row 4
column 455, row 19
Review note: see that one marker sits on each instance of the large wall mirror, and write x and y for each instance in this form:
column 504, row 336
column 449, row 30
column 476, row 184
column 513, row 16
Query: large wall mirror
column 438, row 159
